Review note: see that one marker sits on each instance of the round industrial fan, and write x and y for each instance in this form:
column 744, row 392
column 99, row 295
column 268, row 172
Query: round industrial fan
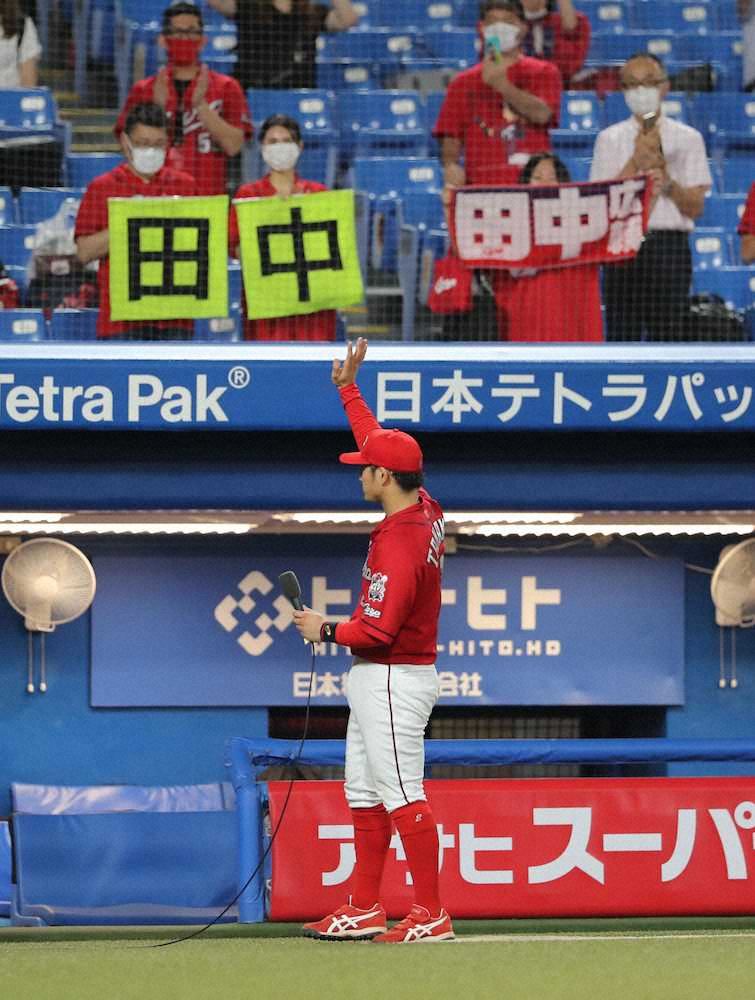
column 49, row 582
column 733, row 585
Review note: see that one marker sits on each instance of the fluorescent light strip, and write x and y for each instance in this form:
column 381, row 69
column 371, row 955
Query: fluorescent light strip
column 573, row 531
column 333, row 517
column 126, row 528
column 508, row 517
column 44, row 517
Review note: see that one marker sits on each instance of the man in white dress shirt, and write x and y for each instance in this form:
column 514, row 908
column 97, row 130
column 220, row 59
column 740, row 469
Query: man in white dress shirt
column 648, row 297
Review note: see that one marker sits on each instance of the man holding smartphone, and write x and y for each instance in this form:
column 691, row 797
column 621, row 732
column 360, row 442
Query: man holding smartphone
column 648, row 297
column 498, row 113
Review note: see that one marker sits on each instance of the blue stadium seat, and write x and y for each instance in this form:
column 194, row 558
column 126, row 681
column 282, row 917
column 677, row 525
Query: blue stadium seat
column 140, row 11
column 723, row 50
column 607, row 16
column 423, row 209
column 615, row 49
column 422, row 14
column 579, row 123
column 346, row 74
column 81, row 168
column 722, row 211
column 394, row 176
column 7, row 207
column 22, row 325
column 727, row 121
column 615, row 108
column 380, row 122
column 458, row 45
column 17, row 244
column 374, row 45
column 315, row 111
column 214, row 19
column 735, row 285
column 27, row 111
column 37, row 204
column 19, row 275
column 369, row 12
column 578, row 167
column 711, row 248
column 737, row 176
column 726, row 11
column 385, row 180
column 74, row 324
column 678, row 16
column 223, row 330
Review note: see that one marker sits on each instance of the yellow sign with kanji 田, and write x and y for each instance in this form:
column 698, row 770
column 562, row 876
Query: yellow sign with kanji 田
column 168, row 257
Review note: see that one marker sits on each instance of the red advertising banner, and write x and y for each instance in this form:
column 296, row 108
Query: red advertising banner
column 543, row 226
column 532, row 848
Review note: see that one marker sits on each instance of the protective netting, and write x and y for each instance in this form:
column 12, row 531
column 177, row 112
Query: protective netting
column 455, row 127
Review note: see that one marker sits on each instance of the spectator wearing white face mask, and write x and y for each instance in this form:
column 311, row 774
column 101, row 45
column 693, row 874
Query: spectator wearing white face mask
column 281, row 145
column 144, row 142
column 649, row 296
column 558, row 33
column 498, row 113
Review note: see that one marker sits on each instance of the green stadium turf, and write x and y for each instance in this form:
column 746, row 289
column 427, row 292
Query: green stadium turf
column 693, row 959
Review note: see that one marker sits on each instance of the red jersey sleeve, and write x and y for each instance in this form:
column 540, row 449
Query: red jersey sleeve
column 361, row 417
column 747, row 225
column 235, row 108
column 547, row 86
column 389, row 598
column 452, row 118
column 92, row 215
column 572, row 47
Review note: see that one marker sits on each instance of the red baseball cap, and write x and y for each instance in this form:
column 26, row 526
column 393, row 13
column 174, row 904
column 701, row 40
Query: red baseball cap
column 393, row 450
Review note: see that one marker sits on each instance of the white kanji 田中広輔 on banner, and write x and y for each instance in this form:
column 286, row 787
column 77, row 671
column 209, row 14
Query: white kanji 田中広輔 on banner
column 550, row 225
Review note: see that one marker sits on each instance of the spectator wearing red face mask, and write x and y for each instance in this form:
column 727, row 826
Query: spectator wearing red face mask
column 207, row 112
column 558, row 33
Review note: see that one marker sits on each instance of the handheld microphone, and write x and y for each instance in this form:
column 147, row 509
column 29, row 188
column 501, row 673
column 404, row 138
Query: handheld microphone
column 291, row 589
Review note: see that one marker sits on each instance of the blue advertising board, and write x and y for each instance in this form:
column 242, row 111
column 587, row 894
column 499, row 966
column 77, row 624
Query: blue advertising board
column 213, row 629
column 470, row 387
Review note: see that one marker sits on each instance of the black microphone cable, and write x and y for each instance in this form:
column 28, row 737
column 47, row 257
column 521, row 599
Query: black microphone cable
column 292, row 591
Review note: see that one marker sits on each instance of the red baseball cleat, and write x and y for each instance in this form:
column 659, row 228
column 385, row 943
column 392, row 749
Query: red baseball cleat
column 419, row 926
column 348, row 923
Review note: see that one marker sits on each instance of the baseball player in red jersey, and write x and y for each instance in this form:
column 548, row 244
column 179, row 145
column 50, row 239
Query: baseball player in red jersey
column 393, row 685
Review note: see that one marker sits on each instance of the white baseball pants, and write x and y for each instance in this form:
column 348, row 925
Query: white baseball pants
column 385, row 752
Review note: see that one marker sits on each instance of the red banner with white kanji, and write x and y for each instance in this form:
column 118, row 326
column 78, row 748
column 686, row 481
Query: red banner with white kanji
column 546, row 226
column 536, row 848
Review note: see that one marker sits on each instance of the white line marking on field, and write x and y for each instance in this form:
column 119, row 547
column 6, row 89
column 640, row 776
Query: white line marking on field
column 618, row 936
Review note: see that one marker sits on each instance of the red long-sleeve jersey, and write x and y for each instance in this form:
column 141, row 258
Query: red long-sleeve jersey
column 396, row 619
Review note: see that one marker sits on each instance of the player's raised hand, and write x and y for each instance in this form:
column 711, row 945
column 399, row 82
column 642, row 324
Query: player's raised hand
column 346, row 373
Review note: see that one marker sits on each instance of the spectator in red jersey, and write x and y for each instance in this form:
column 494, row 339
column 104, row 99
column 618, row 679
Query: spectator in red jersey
column 498, row 113
column 552, row 304
column 747, row 230
column 557, row 33
column 10, row 296
column 207, row 111
column 144, row 141
column 281, row 145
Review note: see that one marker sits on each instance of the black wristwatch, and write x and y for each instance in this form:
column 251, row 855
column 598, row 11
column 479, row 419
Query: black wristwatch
column 328, row 632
